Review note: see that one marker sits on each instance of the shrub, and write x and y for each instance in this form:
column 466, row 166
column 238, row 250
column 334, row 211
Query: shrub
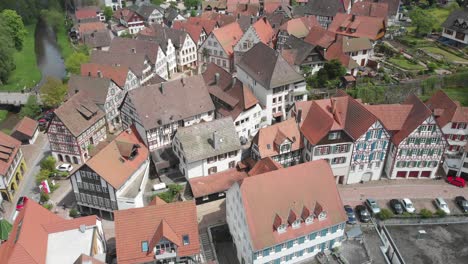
column 406, row 214
column 425, row 213
column 166, row 196
column 48, row 163
column 73, row 213
column 44, row 197
column 440, row 213
column 43, row 175
column 48, row 206
column 385, row 214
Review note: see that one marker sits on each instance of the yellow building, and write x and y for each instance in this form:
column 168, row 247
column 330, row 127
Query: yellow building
column 12, row 166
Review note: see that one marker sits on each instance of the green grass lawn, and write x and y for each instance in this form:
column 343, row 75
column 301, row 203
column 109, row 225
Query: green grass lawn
column 3, row 115
column 458, row 94
column 64, row 42
column 406, row 64
column 26, row 74
column 447, row 55
column 440, row 14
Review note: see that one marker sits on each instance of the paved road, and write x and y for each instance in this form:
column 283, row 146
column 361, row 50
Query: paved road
column 28, row 184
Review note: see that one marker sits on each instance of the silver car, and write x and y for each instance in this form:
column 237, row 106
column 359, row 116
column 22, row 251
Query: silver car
column 373, row 206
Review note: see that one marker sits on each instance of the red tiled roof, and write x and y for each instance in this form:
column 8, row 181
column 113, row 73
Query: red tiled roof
column 118, row 74
column 264, row 31
column 247, row 10
column 365, row 26
column 108, row 162
column 301, row 186
column 300, row 27
column 265, row 138
column 215, row 183
column 90, row 27
column 26, row 126
column 393, row 116
column 335, row 52
column 264, row 165
column 446, row 110
column 157, row 201
column 207, row 24
column 9, row 146
column 228, row 36
column 193, row 30
column 126, row 14
column 132, row 226
column 318, row 36
column 27, row 241
column 221, row 19
column 372, row 9
column 83, row 13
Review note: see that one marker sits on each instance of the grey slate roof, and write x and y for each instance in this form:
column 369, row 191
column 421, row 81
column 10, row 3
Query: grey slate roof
column 459, row 17
column 304, row 49
column 146, row 9
column 327, row 8
column 197, row 140
column 161, row 34
column 164, row 103
column 136, row 62
column 133, row 46
column 268, row 67
column 97, row 39
column 95, row 88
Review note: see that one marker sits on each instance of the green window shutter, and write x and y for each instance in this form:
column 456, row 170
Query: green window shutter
column 434, row 128
column 417, row 141
column 380, row 133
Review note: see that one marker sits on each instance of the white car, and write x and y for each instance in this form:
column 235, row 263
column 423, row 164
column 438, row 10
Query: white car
column 65, row 167
column 408, row 205
column 442, row 205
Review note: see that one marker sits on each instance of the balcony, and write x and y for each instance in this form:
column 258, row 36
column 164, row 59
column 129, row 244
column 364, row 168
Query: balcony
column 165, row 254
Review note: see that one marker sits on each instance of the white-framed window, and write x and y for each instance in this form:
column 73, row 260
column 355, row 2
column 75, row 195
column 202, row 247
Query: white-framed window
column 282, row 228
column 334, row 135
column 296, row 223
column 309, row 220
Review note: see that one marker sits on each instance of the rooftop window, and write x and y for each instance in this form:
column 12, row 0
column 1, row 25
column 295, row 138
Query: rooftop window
column 186, row 239
column 144, row 246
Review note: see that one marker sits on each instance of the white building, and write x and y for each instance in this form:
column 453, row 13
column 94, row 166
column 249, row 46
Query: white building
column 207, row 148
column 158, row 110
column 453, row 119
column 417, row 143
column 455, row 27
column 130, row 20
column 151, row 13
column 115, row 4
column 260, row 31
column 123, row 76
column 273, row 81
column 285, row 216
column 232, row 98
column 115, row 178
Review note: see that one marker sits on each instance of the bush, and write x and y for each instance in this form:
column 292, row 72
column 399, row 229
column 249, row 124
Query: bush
column 48, row 206
column 406, row 214
column 425, row 213
column 48, row 163
column 385, row 214
column 43, row 175
column 166, row 196
column 73, row 213
column 440, row 213
column 44, row 197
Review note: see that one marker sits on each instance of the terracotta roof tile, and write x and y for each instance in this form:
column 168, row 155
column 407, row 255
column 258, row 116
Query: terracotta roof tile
column 303, row 185
column 118, row 74
column 365, row 26
column 26, row 126
column 264, row 165
column 228, row 36
column 215, row 183
column 83, row 13
column 132, row 226
column 264, row 31
column 372, row 9
column 157, row 201
column 133, row 46
column 446, row 110
column 193, row 30
column 300, row 27
column 91, row 27
column 318, row 36
column 9, row 146
column 207, row 24
column 221, row 19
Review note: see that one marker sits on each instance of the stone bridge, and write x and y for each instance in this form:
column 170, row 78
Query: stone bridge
column 15, row 99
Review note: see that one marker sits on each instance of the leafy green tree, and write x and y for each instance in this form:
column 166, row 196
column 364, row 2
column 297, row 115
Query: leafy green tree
column 370, row 93
column 48, row 163
column 43, row 175
column 331, row 71
column 385, row 214
column 108, row 13
column 191, row 4
column 193, row 13
column 423, row 21
column 15, row 27
column 74, row 61
column 53, row 18
column 157, row 2
column 31, row 109
column 7, row 63
column 53, row 92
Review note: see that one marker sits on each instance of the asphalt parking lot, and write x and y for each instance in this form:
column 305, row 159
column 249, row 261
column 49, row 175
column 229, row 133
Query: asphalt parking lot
column 440, row 244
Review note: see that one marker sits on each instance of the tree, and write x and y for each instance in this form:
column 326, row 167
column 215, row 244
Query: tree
column 74, row 61
column 332, row 70
column 48, row 163
column 31, row 109
column 108, row 13
column 193, row 13
column 385, row 214
column 191, row 4
column 370, row 93
column 7, row 63
column 53, row 18
column 15, row 27
column 422, row 20
column 157, row 2
column 53, row 92
column 425, row 213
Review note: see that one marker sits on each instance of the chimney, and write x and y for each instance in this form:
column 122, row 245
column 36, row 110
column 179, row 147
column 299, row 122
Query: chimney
column 299, row 116
column 238, row 16
column 133, row 50
column 251, row 20
column 161, row 88
column 234, row 80
column 264, row 20
column 333, row 106
column 216, row 78
column 353, row 17
column 216, row 140
column 99, row 74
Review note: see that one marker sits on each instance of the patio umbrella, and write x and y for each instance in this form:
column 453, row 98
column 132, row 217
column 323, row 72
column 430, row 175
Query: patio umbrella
column 5, row 229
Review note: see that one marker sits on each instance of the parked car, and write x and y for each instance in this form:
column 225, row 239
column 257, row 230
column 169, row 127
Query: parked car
column 408, row 205
column 363, row 213
column 457, row 181
column 65, row 167
column 442, row 205
column 350, row 213
column 373, row 206
column 21, row 203
column 396, row 206
column 462, row 202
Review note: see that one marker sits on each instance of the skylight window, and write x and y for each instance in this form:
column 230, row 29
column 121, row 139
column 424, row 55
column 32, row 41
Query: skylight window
column 144, row 246
column 186, row 239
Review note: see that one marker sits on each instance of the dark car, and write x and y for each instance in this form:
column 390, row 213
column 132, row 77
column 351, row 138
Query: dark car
column 363, row 213
column 462, row 202
column 21, row 203
column 350, row 213
column 396, row 205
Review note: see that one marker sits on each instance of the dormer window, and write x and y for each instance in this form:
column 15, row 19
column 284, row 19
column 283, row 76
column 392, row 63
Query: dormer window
column 343, row 28
column 285, row 147
column 322, row 216
column 186, row 239
column 282, row 228
column 309, row 220
column 296, row 224
column 334, row 135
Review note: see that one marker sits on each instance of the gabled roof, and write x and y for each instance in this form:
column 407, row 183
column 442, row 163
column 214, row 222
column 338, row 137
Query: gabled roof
column 302, row 186
column 120, row 159
column 193, row 30
column 79, row 113
column 87, row 12
column 321, row 37
column 96, row 88
column 446, row 110
column 161, row 104
column 207, row 24
column 328, row 8
column 97, row 39
column 264, row 30
column 215, row 183
column 246, row 9
column 118, row 74
column 268, row 138
column 373, row 9
column 221, row 19
column 337, row 51
column 133, row 46
column 136, row 62
column 126, row 14
column 300, row 27
column 9, row 146
column 402, row 119
column 133, row 226
column 393, row 5
column 160, row 35
column 264, row 165
column 228, row 36
column 28, row 239
column 198, row 140
column 457, row 20
column 296, row 51
column 146, row 9
column 90, row 27
column 364, row 26
column 268, row 67
column 26, row 127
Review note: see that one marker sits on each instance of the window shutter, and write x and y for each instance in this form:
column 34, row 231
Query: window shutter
column 380, row 133
column 382, row 155
column 384, row 145
column 417, row 141
column 433, row 128
column 367, row 135
column 373, row 146
column 371, row 156
column 355, row 157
